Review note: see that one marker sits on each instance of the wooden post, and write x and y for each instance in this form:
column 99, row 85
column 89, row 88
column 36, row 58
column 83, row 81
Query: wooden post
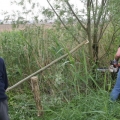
column 36, row 93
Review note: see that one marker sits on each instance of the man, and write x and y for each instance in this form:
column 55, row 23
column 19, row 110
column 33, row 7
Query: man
column 116, row 90
column 3, row 87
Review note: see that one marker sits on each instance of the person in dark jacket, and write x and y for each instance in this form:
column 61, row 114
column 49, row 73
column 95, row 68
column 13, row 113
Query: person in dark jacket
column 3, row 87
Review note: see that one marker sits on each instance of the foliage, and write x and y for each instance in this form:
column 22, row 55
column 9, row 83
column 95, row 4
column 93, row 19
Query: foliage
column 66, row 88
column 62, row 86
column 95, row 105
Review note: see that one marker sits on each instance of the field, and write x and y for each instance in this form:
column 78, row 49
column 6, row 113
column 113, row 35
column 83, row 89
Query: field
column 9, row 27
column 66, row 88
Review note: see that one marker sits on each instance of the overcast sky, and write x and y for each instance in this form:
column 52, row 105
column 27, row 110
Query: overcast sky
column 5, row 5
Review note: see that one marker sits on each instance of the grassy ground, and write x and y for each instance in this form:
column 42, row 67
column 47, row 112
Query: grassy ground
column 69, row 89
column 94, row 106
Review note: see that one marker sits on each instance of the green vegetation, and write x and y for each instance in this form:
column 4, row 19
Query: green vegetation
column 69, row 89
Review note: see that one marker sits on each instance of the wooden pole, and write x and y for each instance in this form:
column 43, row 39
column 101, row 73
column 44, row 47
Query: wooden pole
column 36, row 93
column 47, row 66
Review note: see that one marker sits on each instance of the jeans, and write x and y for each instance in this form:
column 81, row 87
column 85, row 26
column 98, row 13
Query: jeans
column 116, row 90
column 4, row 110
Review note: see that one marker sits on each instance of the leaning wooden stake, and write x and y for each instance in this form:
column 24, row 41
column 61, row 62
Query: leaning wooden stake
column 47, row 66
column 36, row 92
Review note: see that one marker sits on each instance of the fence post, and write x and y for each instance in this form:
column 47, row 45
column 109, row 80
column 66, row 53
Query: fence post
column 36, row 93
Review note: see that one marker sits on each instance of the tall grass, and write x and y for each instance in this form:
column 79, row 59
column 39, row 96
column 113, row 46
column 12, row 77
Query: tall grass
column 66, row 87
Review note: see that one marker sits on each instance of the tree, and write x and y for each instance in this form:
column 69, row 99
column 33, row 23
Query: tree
column 114, row 29
column 93, row 18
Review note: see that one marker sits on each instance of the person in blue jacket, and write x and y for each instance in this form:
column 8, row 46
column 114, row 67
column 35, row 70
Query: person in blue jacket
column 3, row 87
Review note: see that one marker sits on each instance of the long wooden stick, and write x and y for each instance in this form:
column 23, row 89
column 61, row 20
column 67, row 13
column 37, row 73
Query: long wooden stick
column 53, row 62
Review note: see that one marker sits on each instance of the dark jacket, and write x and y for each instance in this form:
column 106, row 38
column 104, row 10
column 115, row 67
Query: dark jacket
column 3, row 80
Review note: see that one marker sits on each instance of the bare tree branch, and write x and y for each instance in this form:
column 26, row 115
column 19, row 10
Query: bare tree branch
column 93, row 10
column 62, row 22
column 103, row 2
column 102, row 29
column 102, row 32
column 75, row 15
column 112, row 40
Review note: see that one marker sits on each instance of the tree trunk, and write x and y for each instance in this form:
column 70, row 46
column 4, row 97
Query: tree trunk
column 89, row 30
column 95, row 44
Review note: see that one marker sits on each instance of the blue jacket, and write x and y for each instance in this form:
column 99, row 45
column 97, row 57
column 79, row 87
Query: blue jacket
column 3, row 80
